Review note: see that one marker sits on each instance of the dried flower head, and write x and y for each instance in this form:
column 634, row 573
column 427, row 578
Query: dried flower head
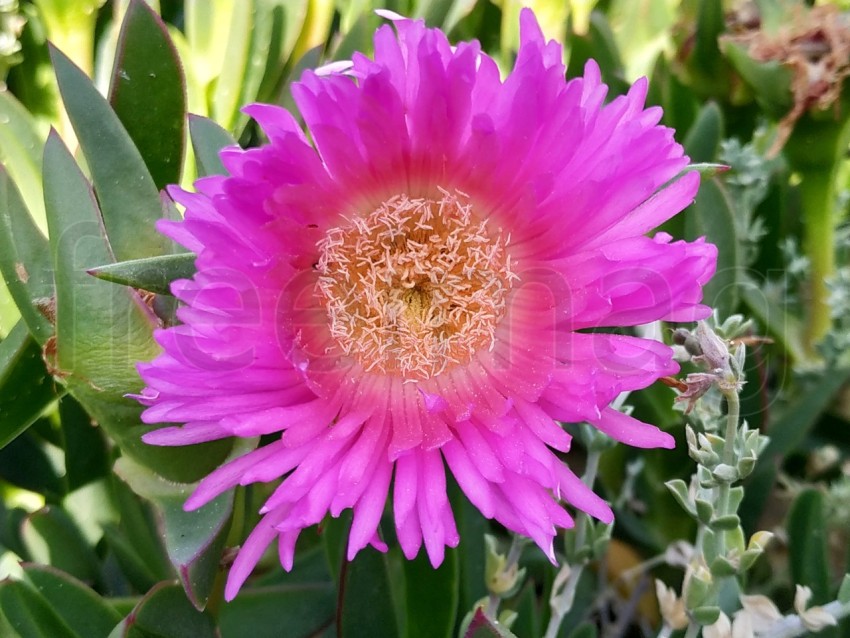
column 815, row 44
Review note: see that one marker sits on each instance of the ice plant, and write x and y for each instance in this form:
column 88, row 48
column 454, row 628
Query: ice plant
column 406, row 289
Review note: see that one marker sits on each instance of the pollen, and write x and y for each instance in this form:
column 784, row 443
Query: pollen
column 415, row 287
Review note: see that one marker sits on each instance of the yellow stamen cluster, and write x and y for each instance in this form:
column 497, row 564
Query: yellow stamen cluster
column 416, row 286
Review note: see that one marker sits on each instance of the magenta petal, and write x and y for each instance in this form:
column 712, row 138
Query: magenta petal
column 627, row 429
column 250, row 553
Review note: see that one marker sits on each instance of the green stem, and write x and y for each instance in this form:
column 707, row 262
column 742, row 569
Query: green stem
column 733, row 415
column 815, row 151
column 817, row 190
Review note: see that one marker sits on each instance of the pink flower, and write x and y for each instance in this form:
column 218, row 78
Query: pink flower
column 405, row 291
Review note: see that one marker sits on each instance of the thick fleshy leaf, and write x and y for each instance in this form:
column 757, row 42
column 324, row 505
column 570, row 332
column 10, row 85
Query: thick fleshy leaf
column 25, row 387
column 287, row 18
column 154, row 274
column 334, row 540
column 30, row 614
column 703, row 139
column 641, row 28
column 244, row 63
column 80, row 607
column 102, row 330
column 808, row 551
column 52, row 538
column 87, row 457
column 778, row 323
column 194, row 540
column 711, row 216
column 25, row 260
column 165, row 612
column 366, row 600
column 207, row 28
column 133, row 567
column 471, row 526
column 431, row 596
column 137, row 540
column 304, row 609
column 24, row 463
column 598, row 44
column 148, row 92
column 127, row 194
column 20, row 152
column 208, row 138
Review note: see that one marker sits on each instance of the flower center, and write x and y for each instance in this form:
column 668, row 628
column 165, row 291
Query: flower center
column 416, row 286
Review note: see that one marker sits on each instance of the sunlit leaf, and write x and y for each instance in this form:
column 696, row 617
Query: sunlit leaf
column 154, row 274
column 25, row 261
column 148, row 92
column 52, row 538
column 128, row 197
column 102, row 330
column 20, row 152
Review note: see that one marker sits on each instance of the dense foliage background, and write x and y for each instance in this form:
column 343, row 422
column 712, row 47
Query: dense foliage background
column 93, row 539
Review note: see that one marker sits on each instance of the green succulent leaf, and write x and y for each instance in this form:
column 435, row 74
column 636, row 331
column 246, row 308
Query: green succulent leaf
column 165, row 612
column 194, row 540
column 25, row 261
column 52, row 538
column 306, row 609
column 102, row 330
column 208, row 138
column 367, row 597
column 24, row 463
column 244, row 62
column 79, row 606
column 711, row 216
column 25, row 387
column 148, row 92
column 128, row 196
column 29, row 613
column 807, row 544
column 431, row 596
column 137, row 540
column 137, row 571
column 87, row 456
column 703, row 139
column 20, row 152
column 154, row 274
